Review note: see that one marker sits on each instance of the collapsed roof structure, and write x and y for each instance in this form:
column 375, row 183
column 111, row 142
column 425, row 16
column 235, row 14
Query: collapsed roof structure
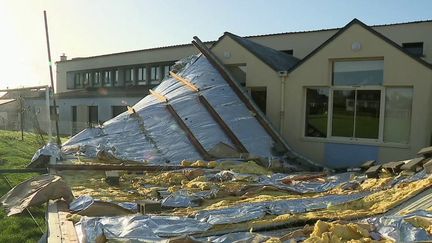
column 190, row 115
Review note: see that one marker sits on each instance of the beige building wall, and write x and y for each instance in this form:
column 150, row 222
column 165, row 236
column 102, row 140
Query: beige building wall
column 399, row 70
column 120, row 59
column 258, row 74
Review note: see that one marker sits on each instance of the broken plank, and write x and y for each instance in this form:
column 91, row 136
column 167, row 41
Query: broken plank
column 426, row 152
column 59, row 228
column 367, row 164
column 116, row 167
column 185, row 82
column 54, row 231
column 24, row 170
column 428, row 166
column 68, row 232
column 394, row 167
column 373, row 171
column 413, row 164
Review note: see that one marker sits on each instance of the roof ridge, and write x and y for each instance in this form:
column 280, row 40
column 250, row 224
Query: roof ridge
column 368, row 28
column 335, row 28
column 247, row 37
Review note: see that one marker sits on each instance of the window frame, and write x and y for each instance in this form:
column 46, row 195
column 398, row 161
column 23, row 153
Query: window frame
column 157, row 78
column 351, row 140
column 381, row 113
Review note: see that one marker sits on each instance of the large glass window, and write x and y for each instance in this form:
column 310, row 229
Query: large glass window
column 155, row 74
column 77, row 80
column 356, row 73
column 316, row 112
column 167, row 69
column 97, row 79
column 86, row 79
column 360, row 106
column 129, row 76
column 107, row 78
column 397, row 118
column 343, row 113
column 142, row 76
column 116, row 77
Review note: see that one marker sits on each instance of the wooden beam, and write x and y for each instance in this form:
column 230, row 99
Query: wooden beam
column 60, row 167
column 54, row 231
column 236, row 88
column 195, row 142
column 25, row 170
column 189, row 133
column 237, row 143
column 213, row 113
column 414, row 165
column 158, row 96
column 59, row 228
column 68, row 232
column 426, row 152
column 185, row 82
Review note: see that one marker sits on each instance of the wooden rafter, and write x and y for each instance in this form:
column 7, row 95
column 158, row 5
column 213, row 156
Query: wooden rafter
column 185, row 82
column 237, row 143
column 236, row 88
column 195, row 142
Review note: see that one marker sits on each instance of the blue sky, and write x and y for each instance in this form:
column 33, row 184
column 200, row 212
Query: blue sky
column 85, row 28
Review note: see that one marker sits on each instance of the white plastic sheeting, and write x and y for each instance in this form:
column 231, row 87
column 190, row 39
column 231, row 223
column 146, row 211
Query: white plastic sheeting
column 309, row 186
column 249, row 211
column 396, row 228
column 150, row 228
column 152, row 135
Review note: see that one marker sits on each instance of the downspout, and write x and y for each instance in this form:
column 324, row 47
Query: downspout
column 283, row 75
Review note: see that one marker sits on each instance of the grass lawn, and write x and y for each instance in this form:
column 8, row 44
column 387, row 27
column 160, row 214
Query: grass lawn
column 15, row 153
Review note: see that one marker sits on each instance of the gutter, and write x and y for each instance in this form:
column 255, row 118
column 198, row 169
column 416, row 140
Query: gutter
column 283, row 75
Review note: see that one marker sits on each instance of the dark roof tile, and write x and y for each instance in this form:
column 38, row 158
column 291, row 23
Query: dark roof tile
column 277, row 60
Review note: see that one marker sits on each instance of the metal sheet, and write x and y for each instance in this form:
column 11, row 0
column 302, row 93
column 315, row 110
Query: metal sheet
column 152, row 136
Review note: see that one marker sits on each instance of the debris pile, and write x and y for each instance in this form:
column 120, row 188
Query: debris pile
column 209, row 174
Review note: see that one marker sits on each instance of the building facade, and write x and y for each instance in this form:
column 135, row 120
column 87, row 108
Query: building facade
column 338, row 96
column 365, row 93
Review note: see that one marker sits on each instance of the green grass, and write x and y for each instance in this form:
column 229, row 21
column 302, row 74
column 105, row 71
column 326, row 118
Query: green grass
column 15, row 153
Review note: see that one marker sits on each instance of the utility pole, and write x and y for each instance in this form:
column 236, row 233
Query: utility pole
column 21, row 116
column 52, row 81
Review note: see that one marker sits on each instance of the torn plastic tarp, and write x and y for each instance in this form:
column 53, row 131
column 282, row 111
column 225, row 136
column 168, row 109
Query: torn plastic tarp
column 232, row 215
column 249, row 211
column 417, row 176
column 152, row 135
column 184, row 199
column 307, row 186
column 142, row 227
column 309, row 204
column 42, row 156
column 35, row 191
column 238, row 237
column 86, row 205
column 399, row 230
